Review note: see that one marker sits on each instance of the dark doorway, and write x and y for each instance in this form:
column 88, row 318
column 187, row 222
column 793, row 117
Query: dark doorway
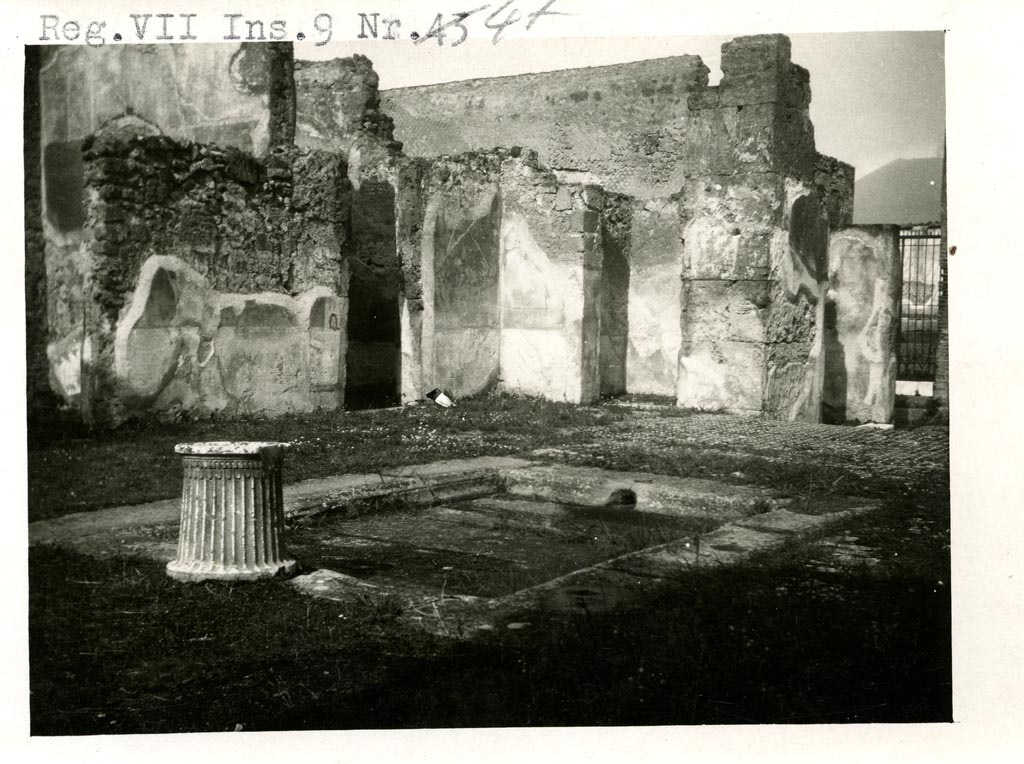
column 615, row 236
column 374, row 334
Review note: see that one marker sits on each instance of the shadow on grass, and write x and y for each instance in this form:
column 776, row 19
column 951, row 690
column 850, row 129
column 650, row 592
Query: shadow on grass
column 118, row 647
column 74, row 469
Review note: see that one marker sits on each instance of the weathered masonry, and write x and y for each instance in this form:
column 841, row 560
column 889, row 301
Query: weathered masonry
column 221, row 228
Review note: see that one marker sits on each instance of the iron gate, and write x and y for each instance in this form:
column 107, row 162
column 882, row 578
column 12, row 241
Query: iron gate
column 919, row 325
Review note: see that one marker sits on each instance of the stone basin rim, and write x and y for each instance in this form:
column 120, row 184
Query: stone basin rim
column 228, row 448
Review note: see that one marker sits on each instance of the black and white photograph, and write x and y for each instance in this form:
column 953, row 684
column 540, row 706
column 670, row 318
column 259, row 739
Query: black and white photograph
column 419, row 367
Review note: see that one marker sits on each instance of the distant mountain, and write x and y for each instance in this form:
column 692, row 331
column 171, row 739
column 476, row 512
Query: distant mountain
column 903, row 191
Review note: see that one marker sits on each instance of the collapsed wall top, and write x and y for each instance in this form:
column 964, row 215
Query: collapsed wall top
column 640, row 128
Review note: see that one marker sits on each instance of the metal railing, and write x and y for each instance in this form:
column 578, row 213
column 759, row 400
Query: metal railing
column 920, row 246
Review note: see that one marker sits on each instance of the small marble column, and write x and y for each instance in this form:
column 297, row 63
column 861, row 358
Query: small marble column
column 232, row 513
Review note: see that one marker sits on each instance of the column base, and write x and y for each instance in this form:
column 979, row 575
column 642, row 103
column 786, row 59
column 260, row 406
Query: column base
column 207, row 571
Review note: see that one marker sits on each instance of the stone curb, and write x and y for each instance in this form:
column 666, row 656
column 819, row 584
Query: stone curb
column 626, row 580
column 450, row 480
column 658, row 494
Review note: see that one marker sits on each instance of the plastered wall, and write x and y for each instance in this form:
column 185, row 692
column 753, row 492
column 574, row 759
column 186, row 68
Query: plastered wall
column 862, row 324
column 222, row 224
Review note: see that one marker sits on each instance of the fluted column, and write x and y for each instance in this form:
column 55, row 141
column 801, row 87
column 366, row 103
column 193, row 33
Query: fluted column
column 232, row 513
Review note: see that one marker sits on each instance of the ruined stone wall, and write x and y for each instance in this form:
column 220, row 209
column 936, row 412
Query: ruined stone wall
column 366, row 274
column 722, row 264
column 460, row 260
column 232, row 94
column 37, row 367
column 236, row 95
column 338, row 105
column 756, row 119
column 795, row 319
column 714, row 294
column 655, row 297
column 337, row 110
column 624, row 127
column 639, row 128
column 753, row 286
column 862, row 324
column 550, row 284
column 209, row 280
column 731, row 223
column 510, row 278
column 617, row 216
column 834, row 181
column 756, row 240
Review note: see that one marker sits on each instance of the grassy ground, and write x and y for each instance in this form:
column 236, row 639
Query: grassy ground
column 116, row 646
column 72, row 469
column 776, row 640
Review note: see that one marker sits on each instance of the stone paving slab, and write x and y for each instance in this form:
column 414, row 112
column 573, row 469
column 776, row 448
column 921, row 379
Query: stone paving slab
column 80, row 524
column 659, row 494
column 457, row 467
column 523, row 511
column 446, row 480
column 731, row 543
column 415, row 483
column 463, row 550
column 623, row 581
column 781, row 521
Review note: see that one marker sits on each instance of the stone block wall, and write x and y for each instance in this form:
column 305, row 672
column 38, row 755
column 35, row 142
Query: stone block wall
column 624, row 127
column 723, row 265
column 753, row 282
column 640, row 128
column 757, row 211
column 198, row 267
column 795, row 319
column 756, row 119
column 862, row 324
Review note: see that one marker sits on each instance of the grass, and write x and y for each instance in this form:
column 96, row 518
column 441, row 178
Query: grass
column 795, row 637
column 74, row 469
column 776, row 640
column 793, row 473
column 160, row 656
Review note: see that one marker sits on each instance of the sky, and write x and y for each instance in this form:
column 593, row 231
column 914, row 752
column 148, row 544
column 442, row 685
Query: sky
column 876, row 96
